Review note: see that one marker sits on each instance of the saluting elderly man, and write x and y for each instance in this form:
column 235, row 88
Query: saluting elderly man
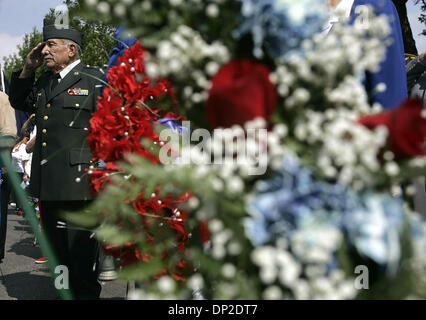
column 63, row 100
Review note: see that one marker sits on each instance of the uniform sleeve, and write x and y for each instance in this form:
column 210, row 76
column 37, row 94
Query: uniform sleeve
column 98, row 86
column 22, row 93
column 415, row 69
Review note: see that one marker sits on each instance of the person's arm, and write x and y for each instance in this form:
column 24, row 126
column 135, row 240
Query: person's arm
column 27, row 124
column 25, row 176
column 30, row 145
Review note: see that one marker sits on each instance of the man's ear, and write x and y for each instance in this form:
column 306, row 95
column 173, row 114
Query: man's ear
column 73, row 50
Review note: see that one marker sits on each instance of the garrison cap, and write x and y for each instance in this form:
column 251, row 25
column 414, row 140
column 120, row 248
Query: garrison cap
column 53, row 31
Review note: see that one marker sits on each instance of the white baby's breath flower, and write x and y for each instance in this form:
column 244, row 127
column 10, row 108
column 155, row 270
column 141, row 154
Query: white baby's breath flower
column 92, row 2
column 283, row 90
column 193, row 202
column 212, row 10
column 272, row 293
column 234, row 248
column 215, row 225
column 268, row 274
column 196, row 282
column 281, row 130
column 235, row 185
column 229, row 270
column 316, row 270
column 388, row 155
column 263, row 255
column 217, row 184
column 175, row 2
column 119, row 10
column 289, row 273
column 103, row 7
column 212, row 68
column 146, row 5
column 347, row 290
column 218, row 252
column 301, row 132
column 151, row 69
column 301, row 95
column 166, row 284
column 392, row 168
column 301, row 290
column 381, row 87
column 410, row 190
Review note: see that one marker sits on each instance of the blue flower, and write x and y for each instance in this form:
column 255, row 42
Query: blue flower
column 374, row 229
column 279, row 26
column 294, row 201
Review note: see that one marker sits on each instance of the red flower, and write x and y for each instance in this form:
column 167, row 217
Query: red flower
column 241, row 91
column 125, row 116
column 406, row 127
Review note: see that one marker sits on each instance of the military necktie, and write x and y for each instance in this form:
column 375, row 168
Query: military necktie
column 55, row 81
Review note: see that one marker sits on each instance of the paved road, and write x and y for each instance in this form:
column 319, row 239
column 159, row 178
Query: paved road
column 22, row 279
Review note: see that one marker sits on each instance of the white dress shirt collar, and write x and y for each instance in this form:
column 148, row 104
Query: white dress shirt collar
column 68, row 68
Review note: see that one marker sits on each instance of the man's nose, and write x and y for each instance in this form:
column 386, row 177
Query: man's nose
column 45, row 51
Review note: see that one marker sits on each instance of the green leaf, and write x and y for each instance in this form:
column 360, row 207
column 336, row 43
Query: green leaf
column 87, row 220
column 141, row 270
column 113, row 235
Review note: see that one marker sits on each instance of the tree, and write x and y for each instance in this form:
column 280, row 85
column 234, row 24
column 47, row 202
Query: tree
column 98, row 41
column 407, row 34
column 422, row 17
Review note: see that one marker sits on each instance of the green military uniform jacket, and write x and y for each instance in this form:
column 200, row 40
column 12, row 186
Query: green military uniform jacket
column 61, row 153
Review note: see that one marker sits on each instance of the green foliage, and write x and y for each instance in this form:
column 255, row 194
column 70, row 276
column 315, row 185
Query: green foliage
column 141, row 271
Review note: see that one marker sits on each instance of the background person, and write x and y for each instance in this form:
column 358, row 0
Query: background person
column 7, row 128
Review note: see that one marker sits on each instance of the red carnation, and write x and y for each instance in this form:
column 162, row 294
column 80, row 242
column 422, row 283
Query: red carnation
column 125, row 117
column 406, row 126
column 241, row 91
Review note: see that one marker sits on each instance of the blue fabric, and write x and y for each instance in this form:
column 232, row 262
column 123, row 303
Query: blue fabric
column 21, row 117
column 122, row 44
column 392, row 69
column 172, row 124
